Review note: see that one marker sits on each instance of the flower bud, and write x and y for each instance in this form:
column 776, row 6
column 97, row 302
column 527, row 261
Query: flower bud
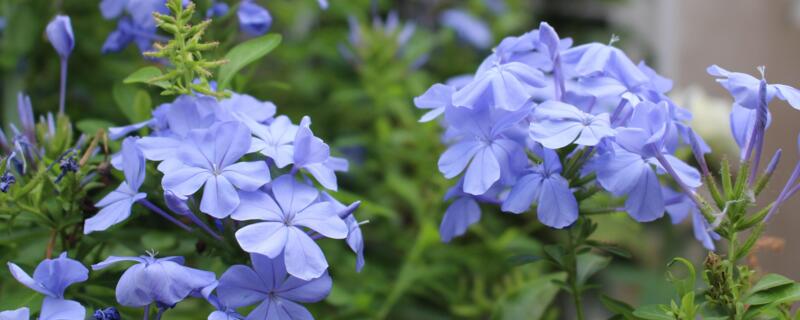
column 59, row 32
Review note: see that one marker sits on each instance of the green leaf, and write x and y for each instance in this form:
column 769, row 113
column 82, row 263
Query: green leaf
column 142, row 107
column 684, row 285
column 769, row 281
column 616, row 306
column 530, row 301
column 90, row 126
column 776, row 295
column 243, row 54
column 523, row 259
column 588, row 265
column 144, row 75
column 612, row 249
column 134, row 103
column 555, row 254
column 652, row 312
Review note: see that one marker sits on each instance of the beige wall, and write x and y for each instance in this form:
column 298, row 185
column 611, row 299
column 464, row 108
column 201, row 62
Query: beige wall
column 689, row 35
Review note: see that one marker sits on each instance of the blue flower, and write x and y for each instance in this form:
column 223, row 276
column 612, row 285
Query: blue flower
column 59, row 33
column 556, row 124
column 438, row 98
column 544, row 185
column 313, row 155
column 208, row 158
column 254, row 20
column 678, row 206
column 462, row 213
column 485, row 146
column 355, row 239
column 116, row 206
column 467, row 27
column 744, row 88
column 504, row 86
column 164, row 281
column 19, row 314
column 276, row 141
column 51, row 278
column 136, row 23
column 217, row 9
column 280, row 221
column 267, row 284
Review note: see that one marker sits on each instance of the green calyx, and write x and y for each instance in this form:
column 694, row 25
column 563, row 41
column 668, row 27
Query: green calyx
column 188, row 71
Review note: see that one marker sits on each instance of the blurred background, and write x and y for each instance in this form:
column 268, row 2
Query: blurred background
column 355, row 69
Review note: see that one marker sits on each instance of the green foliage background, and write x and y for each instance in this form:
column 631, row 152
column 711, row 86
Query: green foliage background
column 364, row 110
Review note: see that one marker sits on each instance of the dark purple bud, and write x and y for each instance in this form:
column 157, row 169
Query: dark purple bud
column 6, row 180
column 67, row 165
column 59, row 32
column 109, row 313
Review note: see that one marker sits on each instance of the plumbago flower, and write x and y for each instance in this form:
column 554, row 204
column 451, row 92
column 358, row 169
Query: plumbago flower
column 116, row 206
column 230, row 148
column 281, row 222
column 51, row 278
column 537, row 94
column 160, row 281
column 267, row 284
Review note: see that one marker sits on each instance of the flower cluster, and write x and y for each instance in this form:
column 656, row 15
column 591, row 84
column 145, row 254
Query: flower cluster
column 230, row 149
column 546, row 123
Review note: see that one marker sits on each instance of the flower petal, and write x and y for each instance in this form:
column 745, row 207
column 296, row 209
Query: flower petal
column 247, row 176
column 304, row 259
column 219, row 197
column 459, row 216
column 482, row 173
column 240, row 286
column 267, row 238
column 322, row 218
column 557, row 206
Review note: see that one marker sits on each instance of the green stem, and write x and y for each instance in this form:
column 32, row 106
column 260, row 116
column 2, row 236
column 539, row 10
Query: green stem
column 731, row 265
column 572, row 273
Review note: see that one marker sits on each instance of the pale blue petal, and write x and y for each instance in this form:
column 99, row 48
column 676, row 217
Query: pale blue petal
column 114, row 259
column 267, row 238
column 59, row 273
column 645, row 202
column 557, row 206
column 482, row 173
column 292, row 195
column 186, row 180
column 689, row 175
column 132, row 289
column 19, row 314
column 240, row 286
column 453, row 161
column 788, row 94
column 257, row 205
column 133, row 163
column 298, row 290
column 158, row 148
column 461, row 214
column 324, row 175
column 219, row 197
column 523, row 194
column 247, row 176
column 26, row 280
column 322, row 218
column 60, row 309
column 304, row 259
